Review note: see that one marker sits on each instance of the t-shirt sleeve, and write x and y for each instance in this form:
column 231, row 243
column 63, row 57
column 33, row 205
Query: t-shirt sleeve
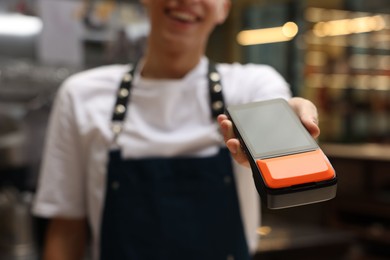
column 252, row 82
column 61, row 182
column 271, row 84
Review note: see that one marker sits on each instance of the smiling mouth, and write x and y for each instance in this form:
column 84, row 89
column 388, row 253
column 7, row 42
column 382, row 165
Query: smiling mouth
column 184, row 17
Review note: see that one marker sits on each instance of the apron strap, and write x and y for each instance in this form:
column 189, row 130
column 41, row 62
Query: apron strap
column 122, row 101
column 217, row 103
column 215, row 89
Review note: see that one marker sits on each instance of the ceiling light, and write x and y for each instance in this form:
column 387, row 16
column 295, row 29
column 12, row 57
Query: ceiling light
column 268, row 35
column 19, row 25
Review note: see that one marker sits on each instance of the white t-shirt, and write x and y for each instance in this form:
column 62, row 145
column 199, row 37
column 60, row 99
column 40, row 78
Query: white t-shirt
column 165, row 118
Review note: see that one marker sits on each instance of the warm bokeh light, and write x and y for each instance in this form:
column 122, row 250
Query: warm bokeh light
column 290, row 29
column 316, row 58
column 349, row 26
column 268, row 35
column 264, row 230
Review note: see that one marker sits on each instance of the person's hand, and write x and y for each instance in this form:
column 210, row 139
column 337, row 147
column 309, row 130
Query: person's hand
column 306, row 111
column 231, row 141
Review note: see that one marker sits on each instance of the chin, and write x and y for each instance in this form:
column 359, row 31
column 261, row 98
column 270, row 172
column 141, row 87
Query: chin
column 182, row 44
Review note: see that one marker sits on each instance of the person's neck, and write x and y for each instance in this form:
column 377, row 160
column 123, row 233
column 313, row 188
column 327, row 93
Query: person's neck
column 169, row 65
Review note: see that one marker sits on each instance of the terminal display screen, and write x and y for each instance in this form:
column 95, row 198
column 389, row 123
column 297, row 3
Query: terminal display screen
column 271, row 129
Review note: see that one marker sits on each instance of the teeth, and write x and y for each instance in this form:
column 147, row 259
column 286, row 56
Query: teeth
column 186, row 17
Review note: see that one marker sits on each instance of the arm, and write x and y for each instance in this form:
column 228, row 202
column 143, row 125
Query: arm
column 65, row 239
column 305, row 109
column 61, row 187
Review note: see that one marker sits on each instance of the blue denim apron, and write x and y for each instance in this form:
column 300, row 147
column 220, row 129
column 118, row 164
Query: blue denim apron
column 179, row 208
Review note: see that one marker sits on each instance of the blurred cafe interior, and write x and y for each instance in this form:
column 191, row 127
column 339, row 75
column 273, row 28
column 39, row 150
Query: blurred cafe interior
column 335, row 53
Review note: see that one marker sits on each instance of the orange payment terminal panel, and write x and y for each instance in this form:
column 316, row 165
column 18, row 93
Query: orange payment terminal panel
column 288, row 166
column 296, row 169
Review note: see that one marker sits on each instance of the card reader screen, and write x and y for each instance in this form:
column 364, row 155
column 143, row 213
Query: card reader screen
column 272, row 129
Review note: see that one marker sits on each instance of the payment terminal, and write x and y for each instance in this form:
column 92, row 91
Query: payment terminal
column 288, row 166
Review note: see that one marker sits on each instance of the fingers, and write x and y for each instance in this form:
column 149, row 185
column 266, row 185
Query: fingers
column 311, row 124
column 307, row 113
column 232, row 143
column 237, row 152
column 226, row 127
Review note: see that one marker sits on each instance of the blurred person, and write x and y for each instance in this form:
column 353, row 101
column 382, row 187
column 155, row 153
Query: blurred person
column 136, row 161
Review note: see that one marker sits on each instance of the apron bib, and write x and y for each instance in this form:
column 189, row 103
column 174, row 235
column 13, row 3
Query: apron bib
column 171, row 208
